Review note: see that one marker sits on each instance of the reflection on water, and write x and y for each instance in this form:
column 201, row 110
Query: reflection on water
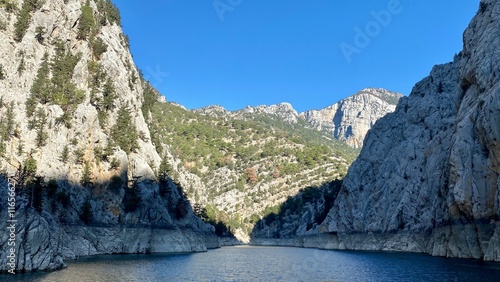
column 270, row 264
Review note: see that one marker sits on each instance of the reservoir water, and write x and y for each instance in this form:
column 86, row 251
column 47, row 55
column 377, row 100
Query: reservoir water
column 247, row 263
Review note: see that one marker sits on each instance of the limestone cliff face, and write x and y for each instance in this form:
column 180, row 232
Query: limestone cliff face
column 427, row 179
column 350, row 119
column 69, row 128
column 284, row 111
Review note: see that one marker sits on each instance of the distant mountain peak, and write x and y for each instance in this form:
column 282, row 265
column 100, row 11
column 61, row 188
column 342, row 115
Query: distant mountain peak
column 282, row 110
column 350, row 119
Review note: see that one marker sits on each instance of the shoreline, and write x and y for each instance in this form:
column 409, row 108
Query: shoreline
column 452, row 241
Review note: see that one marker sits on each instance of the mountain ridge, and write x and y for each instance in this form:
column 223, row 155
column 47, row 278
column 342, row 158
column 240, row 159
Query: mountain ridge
column 347, row 120
column 427, row 179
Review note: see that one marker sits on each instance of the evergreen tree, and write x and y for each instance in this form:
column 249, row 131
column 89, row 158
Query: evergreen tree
column 63, row 65
column 86, row 214
column 108, row 95
column 86, row 21
column 124, row 132
column 65, row 154
column 40, row 90
column 86, row 180
column 36, row 188
column 41, row 135
column 9, row 126
column 24, row 18
column 2, row 147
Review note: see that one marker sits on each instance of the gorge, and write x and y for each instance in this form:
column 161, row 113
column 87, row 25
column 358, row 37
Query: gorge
column 101, row 163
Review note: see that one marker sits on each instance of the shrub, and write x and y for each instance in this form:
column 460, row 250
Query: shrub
column 3, row 25
column 115, row 163
column 98, row 47
column 39, row 31
column 251, row 175
column 79, row 155
column 483, row 6
column 9, row 6
column 20, row 149
column 115, row 183
column 22, row 66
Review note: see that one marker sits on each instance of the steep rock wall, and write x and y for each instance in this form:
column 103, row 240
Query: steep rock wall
column 350, row 119
column 427, row 179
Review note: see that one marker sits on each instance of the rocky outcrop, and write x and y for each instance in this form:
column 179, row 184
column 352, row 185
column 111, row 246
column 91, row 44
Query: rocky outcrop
column 284, row 111
column 427, row 179
column 350, row 119
column 78, row 144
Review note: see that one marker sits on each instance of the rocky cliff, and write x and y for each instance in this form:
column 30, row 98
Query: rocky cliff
column 350, row 119
column 74, row 139
column 427, row 179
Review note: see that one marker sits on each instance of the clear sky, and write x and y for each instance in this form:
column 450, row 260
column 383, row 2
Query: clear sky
column 236, row 53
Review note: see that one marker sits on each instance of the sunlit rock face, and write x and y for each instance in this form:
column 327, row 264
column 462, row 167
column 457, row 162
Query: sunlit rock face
column 350, row 119
column 43, row 236
column 427, row 178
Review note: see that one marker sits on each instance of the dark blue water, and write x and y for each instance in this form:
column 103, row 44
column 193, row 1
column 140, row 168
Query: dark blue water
column 270, row 264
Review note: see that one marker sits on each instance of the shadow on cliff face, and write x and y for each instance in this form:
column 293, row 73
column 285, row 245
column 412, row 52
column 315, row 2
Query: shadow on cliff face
column 141, row 202
column 299, row 215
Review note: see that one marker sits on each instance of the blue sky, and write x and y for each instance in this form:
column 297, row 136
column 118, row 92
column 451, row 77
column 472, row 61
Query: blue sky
column 236, row 53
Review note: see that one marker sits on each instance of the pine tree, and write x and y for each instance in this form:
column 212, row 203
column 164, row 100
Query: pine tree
column 40, row 90
column 86, row 214
column 65, row 154
column 9, row 126
column 86, row 22
column 87, row 175
column 108, row 96
column 124, row 132
column 24, row 18
column 63, row 65
column 41, row 135
column 2, row 73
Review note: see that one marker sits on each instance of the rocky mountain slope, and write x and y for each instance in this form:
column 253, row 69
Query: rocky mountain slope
column 427, row 179
column 350, row 119
column 239, row 166
column 74, row 140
